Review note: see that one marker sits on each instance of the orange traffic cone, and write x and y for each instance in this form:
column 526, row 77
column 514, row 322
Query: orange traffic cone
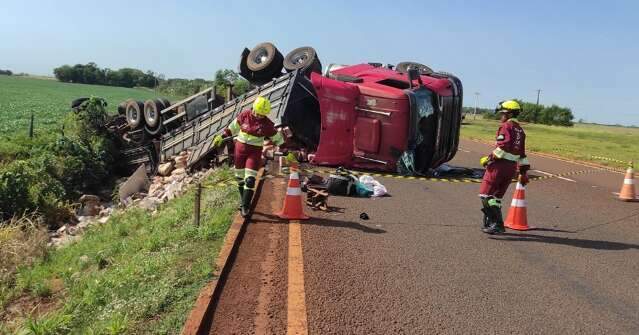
column 627, row 192
column 517, row 218
column 293, row 202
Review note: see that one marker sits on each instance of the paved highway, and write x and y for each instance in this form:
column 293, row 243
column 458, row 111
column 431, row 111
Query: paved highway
column 421, row 265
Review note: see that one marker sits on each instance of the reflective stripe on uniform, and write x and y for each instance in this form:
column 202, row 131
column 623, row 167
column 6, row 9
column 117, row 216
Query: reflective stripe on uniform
column 523, row 161
column 250, row 173
column 234, row 127
column 249, row 139
column 239, row 173
column 494, row 202
column 502, row 154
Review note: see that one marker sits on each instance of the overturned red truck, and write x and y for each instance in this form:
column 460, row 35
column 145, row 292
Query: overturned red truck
column 403, row 119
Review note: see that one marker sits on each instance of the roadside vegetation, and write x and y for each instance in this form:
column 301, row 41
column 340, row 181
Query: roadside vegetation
column 606, row 145
column 43, row 176
column 139, row 273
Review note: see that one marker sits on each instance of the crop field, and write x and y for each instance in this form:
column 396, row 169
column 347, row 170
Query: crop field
column 49, row 101
column 606, row 145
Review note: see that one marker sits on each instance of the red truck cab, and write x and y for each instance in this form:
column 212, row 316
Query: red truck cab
column 374, row 117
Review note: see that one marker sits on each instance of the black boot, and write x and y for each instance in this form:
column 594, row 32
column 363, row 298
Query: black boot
column 245, row 209
column 240, row 188
column 496, row 225
column 487, row 220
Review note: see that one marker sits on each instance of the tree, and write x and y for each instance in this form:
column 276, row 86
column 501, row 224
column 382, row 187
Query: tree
column 225, row 77
column 64, row 73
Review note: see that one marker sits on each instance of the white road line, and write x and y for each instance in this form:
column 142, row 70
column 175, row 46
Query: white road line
column 463, row 150
column 552, row 175
column 546, row 173
column 566, row 179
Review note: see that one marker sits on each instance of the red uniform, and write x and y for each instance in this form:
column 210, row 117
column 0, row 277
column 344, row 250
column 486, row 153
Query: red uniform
column 251, row 131
column 509, row 153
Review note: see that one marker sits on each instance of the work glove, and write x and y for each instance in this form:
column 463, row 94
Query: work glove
column 484, row 161
column 523, row 179
column 217, row 140
column 291, row 158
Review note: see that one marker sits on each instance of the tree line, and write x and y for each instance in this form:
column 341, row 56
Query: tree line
column 551, row 115
column 6, row 72
column 92, row 74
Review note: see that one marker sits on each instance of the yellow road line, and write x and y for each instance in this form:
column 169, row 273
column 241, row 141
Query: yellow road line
column 296, row 318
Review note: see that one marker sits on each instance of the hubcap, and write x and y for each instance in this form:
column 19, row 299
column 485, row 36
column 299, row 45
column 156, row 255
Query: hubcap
column 261, row 57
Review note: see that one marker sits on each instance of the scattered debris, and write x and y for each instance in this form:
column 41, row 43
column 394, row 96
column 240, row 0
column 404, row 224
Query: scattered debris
column 364, row 216
column 166, row 168
column 136, row 183
column 317, row 198
column 369, row 182
column 90, row 205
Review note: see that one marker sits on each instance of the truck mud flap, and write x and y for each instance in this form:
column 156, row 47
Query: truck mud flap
column 293, row 104
column 448, row 123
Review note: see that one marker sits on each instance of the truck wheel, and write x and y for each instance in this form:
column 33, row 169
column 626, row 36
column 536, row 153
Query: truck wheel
column 304, row 58
column 404, row 66
column 265, row 58
column 134, row 113
column 152, row 110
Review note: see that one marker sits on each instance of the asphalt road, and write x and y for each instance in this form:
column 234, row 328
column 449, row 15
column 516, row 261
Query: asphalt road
column 421, row 265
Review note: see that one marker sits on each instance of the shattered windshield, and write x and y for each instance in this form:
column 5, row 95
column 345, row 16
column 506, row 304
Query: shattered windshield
column 421, row 111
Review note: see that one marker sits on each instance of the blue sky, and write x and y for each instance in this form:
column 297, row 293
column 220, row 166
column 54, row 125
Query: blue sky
column 580, row 54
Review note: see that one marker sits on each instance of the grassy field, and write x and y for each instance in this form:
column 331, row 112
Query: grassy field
column 49, row 100
column 605, row 145
column 137, row 274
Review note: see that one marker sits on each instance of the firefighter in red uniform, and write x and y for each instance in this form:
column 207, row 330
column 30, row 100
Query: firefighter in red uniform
column 502, row 165
column 250, row 129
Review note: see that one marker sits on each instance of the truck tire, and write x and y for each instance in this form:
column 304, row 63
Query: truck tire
column 152, row 110
column 77, row 102
column 305, row 59
column 122, row 107
column 404, row 66
column 265, row 57
column 135, row 114
column 165, row 102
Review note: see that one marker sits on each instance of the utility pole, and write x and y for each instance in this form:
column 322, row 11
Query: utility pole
column 538, row 91
column 476, row 102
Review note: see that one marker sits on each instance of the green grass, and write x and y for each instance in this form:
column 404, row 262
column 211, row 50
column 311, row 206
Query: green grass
column 50, row 100
column 137, row 274
column 584, row 142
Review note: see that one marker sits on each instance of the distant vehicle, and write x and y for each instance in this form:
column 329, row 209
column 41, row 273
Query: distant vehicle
column 403, row 118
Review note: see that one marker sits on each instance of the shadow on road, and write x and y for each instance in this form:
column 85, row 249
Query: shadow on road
column 554, row 230
column 573, row 242
column 270, row 218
